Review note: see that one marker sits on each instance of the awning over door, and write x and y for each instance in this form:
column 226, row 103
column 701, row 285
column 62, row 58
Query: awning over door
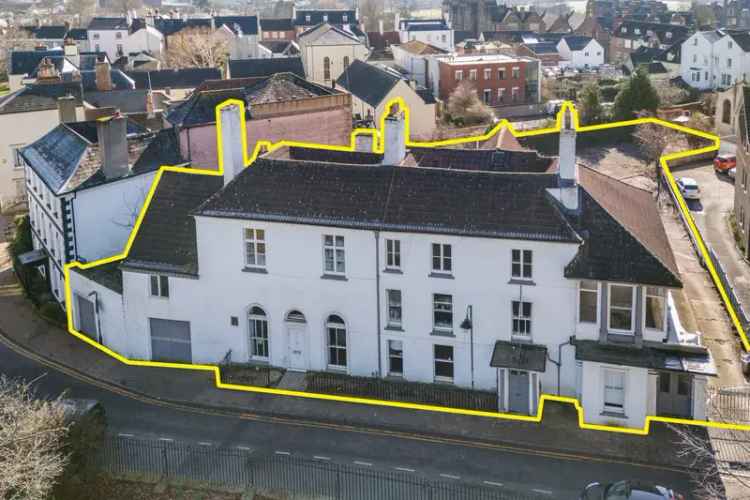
column 517, row 356
column 33, row 258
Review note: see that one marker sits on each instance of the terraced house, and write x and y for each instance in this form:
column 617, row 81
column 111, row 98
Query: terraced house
column 496, row 270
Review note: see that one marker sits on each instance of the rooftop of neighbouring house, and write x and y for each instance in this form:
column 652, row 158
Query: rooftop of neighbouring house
column 372, row 83
column 263, row 67
column 421, row 48
column 38, row 97
column 183, row 78
column 108, row 23
column 200, row 108
column 468, row 59
column 577, row 42
column 277, row 24
column 326, row 33
column 423, row 25
column 281, row 47
column 312, row 17
column 67, row 157
column 246, row 25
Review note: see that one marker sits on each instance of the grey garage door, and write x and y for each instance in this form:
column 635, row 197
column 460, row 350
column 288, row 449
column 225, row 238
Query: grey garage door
column 170, row 340
column 86, row 317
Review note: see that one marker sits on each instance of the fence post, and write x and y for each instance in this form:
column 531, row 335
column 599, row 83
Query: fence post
column 338, row 482
column 164, row 457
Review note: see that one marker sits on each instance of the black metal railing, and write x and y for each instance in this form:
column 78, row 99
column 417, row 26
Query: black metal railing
column 397, row 390
column 240, row 468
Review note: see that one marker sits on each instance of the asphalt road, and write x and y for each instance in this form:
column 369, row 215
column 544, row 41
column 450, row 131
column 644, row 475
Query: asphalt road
column 555, row 475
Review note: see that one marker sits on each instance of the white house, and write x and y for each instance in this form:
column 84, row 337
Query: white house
column 148, row 39
column 517, row 284
column 413, row 56
column 715, row 59
column 86, row 182
column 108, row 34
column 244, row 43
column 326, row 50
column 580, row 52
column 437, row 32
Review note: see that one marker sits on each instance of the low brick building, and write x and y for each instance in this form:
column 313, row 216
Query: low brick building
column 500, row 80
column 282, row 107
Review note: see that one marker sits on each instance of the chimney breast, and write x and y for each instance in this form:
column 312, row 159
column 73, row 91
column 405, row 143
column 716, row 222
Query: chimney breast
column 113, row 146
column 66, row 107
column 567, row 165
column 394, row 140
column 103, row 76
column 363, row 143
column 231, row 156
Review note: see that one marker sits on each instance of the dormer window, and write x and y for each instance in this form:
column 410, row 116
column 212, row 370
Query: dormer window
column 325, row 18
column 345, row 18
column 637, row 31
column 623, row 30
column 307, row 18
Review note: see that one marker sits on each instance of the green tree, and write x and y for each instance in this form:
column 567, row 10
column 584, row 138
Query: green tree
column 590, row 105
column 636, row 95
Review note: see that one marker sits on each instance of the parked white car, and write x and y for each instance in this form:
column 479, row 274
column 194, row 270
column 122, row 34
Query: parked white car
column 689, row 188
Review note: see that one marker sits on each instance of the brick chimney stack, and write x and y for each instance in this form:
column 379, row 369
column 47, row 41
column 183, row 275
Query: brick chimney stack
column 103, row 76
column 113, row 145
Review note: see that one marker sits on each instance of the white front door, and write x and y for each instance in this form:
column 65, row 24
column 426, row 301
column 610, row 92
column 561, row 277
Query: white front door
column 297, row 342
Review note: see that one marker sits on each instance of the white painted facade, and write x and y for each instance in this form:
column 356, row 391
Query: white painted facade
column 325, row 57
column 713, row 60
column 440, row 37
column 111, row 41
column 415, row 64
column 147, row 39
column 590, row 56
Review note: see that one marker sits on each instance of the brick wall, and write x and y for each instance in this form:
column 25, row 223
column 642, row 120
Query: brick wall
column 496, row 81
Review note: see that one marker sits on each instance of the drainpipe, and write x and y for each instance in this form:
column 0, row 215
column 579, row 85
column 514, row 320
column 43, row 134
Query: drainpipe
column 377, row 300
column 558, row 363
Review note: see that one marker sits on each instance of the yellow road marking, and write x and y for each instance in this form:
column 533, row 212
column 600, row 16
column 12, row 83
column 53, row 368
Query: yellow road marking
column 378, row 142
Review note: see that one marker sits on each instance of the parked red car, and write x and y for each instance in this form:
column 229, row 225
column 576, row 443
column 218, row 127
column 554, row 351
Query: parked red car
column 724, row 163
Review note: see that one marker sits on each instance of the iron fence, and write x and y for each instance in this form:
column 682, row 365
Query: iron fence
column 398, row 390
column 241, row 468
column 730, row 404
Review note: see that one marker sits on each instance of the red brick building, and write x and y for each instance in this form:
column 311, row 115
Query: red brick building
column 500, row 80
column 277, row 29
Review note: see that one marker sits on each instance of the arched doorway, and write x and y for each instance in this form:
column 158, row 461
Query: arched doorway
column 296, row 329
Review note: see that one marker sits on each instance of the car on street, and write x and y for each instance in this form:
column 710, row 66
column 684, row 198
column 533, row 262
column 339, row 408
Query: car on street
column 689, row 188
column 628, row 490
column 723, row 163
column 732, row 172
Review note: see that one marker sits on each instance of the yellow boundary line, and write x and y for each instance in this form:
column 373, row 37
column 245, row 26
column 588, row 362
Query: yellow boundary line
column 378, row 147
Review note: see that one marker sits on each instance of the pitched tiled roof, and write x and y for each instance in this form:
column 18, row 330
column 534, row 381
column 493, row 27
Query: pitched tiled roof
column 542, row 47
column 248, row 25
column 276, row 24
column 173, row 78
column 166, row 238
column 245, row 68
column 49, row 32
column 24, row 62
column 421, row 48
column 380, row 41
column 67, row 157
column 108, row 275
column 326, row 34
column 517, row 356
column 78, row 34
column 394, row 198
column 108, row 23
column 577, row 42
column 480, row 159
column 284, row 47
column 37, row 97
column 125, row 101
column 320, row 16
column 742, row 39
column 120, row 81
column 625, row 240
column 368, row 82
column 655, row 357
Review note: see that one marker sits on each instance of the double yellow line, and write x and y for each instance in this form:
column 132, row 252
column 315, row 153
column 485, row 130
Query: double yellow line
column 378, row 141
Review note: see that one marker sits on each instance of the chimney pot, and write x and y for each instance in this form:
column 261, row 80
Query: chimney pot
column 103, row 76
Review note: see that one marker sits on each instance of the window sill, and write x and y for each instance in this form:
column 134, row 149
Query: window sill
column 521, row 281
column 446, row 276
column 393, row 328
column 621, row 338
column 334, row 277
column 443, row 381
column 392, row 271
column 256, row 270
column 521, row 339
column 394, row 376
column 337, row 369
column 442, row 333
column 610, row 413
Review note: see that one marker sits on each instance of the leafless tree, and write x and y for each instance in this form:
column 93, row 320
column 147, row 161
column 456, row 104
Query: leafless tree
column 717, row 457
column 464, row 105
column 195, row 47
column 83, row 9
column 670, row 94
column 13, row 38
column 652, row 140
column 32, row 433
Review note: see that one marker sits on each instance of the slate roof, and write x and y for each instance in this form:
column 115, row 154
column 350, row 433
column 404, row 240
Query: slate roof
column 120, row 81
column 39, row 97
column 23, row 62
column 394, row 199
column 421, row 48
column 742, row 39
column 651, row 357
column 245, row 68
column 247, row 24
column 517, row 356
column 368, row 82
column 166, row 239
column 49, row 32
column 125, row 101
column 78, row 34
column 542, row 47
column 660, row 30
column 624, row 242
column 200, row 108
column 285, row 47
column 108, row 275
column 108, row 23
column 323, row 32
column 415, row 25
column 382, row 41
column 577, row 42
column 492, row 160
column 317, row 17
column 276, row 24
column 67, row 157
column 173, row 78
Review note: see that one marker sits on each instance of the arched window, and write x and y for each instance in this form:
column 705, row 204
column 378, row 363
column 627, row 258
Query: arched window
column 336, row 341
column 295, row 316
column 726, row 111
column 258, row 333
column 326, row 68
column 346, row 62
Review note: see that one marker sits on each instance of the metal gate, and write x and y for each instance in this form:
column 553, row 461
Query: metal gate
column 170, row 340
column 675, row 395
column 86, row 317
